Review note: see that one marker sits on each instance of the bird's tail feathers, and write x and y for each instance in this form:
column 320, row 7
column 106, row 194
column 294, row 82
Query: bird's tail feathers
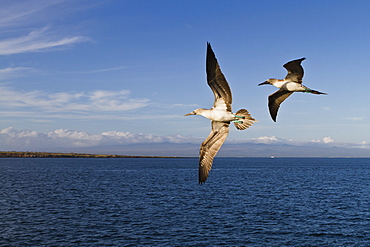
column 307, row 90
column 243, row 120
column 317, row 92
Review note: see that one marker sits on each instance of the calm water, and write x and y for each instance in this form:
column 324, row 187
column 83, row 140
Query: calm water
column 157, row 202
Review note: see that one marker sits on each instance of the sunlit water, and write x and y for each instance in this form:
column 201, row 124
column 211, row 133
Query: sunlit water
column 157, row 202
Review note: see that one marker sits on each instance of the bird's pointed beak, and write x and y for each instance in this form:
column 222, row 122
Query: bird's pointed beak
column 263, row 83
column 191, row 113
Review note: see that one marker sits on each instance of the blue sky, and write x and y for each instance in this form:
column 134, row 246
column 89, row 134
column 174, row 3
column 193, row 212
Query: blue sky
column 100, row 73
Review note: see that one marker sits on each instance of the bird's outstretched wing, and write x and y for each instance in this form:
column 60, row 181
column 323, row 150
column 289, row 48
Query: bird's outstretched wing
column 217, row 81
column 275, row 100
column 295, row 70
column 210, row 147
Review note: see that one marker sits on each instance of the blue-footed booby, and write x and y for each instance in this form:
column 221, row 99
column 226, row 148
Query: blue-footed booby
column 291, row 83
column 220, row 115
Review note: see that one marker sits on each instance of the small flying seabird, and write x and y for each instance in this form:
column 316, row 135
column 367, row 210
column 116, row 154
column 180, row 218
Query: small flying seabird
column 291, row 83
column 220, row 115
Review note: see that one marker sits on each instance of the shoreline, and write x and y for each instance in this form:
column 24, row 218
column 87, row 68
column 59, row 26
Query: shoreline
column 15, row 154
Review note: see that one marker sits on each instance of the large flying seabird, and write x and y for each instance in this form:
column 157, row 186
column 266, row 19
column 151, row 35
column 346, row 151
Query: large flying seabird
column 291, row 83
column 220, row 115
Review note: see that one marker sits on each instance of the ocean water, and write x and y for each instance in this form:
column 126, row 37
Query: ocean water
column 158, row 202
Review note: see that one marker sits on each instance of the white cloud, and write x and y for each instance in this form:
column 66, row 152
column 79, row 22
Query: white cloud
column 13, row 139
column 64, row 139
column 328, row 139
column 74, row 138
column 315, row 141
column 266, row 139
column 324, row 140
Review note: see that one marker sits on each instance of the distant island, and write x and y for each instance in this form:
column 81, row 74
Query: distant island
column 14, row 154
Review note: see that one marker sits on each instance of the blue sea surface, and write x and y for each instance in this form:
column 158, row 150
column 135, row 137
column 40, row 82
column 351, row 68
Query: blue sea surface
column 158, row 202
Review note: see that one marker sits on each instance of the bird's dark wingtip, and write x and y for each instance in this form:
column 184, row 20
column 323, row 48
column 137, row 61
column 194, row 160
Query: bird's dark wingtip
column 209, row 47
column 273, row 117
column 202, row 180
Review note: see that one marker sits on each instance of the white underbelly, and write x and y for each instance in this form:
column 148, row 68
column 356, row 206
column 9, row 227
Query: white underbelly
column 220, row 116
column 292, row 86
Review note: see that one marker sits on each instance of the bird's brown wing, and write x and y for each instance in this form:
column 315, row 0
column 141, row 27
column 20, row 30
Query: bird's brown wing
column 295, row 70
column 217, row 81
column 275, row 100
column 210, row 147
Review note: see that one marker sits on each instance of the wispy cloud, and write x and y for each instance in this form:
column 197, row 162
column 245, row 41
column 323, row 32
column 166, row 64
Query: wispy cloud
column 355, row 119
column 21, row 12
column 23, row 23
column 102, row 70
column 93, row 101
column 185, row 105
column 11, row 72
column 37, row 40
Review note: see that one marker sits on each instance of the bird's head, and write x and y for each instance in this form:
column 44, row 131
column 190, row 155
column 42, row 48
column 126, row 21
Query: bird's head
column 195, row 112
column 268, row 82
